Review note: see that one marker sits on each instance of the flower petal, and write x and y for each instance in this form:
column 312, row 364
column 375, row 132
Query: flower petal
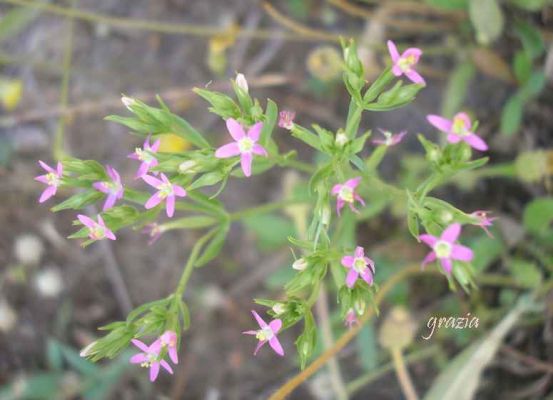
column 153, row 201
column 138, row 358
column 347, row 261
column 336, row 189
column 430, row 257
column 353, row 182
column 275, row 325
column 259, row 150
column 100, row 186
column 359, row 252
column 351, row 278
column 412, row 52
column 228, row 150
column 415, row 77
column 142, row 346
column 453, row 138
column 259, row 345
column 476, row 142
column 451, row 233
column 367, row 277
column 170, row 206
column 441, row 123
column 142, row 170
column 254, row 131
column 394, row 54
column 246, row 162
column 446, row 264
column 154, row 371
column 235, row 129
column 47, row 193
column 174, row 355
column 179, row 191
column 110, row 201
column 277, row 347
column 166, row 366
column 46, row 166
column 150, row 180
column 259, row 320
column 86, row 221
column 428, row 239
column 460, row 252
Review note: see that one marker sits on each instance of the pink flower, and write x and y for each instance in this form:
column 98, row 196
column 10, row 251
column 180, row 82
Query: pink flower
column 404, row 64
column 114, row 189
column 245, row 144
column 445, row 249
column 154, row 231
column 169, row 340
column 96, row 230
column 358, row 265
column 286, row 119
column 267, row 333
column 149, row 358
column 52, row 179
column 144, row 155
column 346, row 194
column 166, row 191
column 483, row 220
column 389, row 138
column 351, row 318
column 458, row 129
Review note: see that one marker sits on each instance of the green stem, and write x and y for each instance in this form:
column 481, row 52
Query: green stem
column 189, row 267
column 262, row 209
column 403, row 375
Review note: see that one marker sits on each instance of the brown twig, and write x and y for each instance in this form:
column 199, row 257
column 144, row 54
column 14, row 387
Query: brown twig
column 527, row 359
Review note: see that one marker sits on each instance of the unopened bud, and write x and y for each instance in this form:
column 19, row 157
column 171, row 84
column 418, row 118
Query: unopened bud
column 446, row 217
column 360, row 307
column 86, row 351
column 128, row 102
column 341, row 139
column 279, row 308
column 188, row 167
column 300, row 264
column 241, row 82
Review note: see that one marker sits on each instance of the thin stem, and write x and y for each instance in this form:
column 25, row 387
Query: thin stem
column 371, row 376
column 189, row 267
column 297, row 380
column 326, row 332
column 262, row 209
column 403, row 375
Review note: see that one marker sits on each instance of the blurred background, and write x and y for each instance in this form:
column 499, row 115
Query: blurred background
column 64, row 66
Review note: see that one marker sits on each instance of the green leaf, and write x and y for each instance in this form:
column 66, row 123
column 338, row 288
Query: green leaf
column 533, row 87
column 15, row 20
column 530, row 5
column 221, row 104
column 213, row 248
column 538, row 215
column 54, row 355
column 531, row 38
column 448, row 4
column 511, row 115
column 306, row 136
column 271, row 116
column 79, row 200
column 525, row 272
column 487, row 18
column 522, row 66
column 486, row 251
column 271, row 230
column 457, row 87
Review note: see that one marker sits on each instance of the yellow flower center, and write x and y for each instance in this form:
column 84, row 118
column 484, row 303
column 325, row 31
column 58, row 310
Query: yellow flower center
column 144, row 155
column 359, row 264
column 53, row 179
column 346, row 194
column 405, row 63
column 459, row 127
column 264, row 334
column 245, row 145
column 442, row 249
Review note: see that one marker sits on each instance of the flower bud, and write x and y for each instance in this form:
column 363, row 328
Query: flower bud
column 86, row 351
column 446, row 217
column 279, row 308
column 341, row 139
column 360, row 307
column 188, row 167
column 286, row 119
column 325, row 215
column 128, row 102
column 300, row 264
column 241, row 82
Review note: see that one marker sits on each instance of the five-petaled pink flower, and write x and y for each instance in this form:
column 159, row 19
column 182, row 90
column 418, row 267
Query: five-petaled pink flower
column 483, row 220
column 267, row 333
column 166, row 191
column 404, row 64
column 358, row 265
column 245, row 144
column 144, row 155
column 286, row 119
column 351, row 318
column 458, row 129
column 445, row 249
column 169, row 340
column 346, row 194
column 96, row 230
column 150, row 358
column 389, row 138
column 113, row 188
column 52, row 178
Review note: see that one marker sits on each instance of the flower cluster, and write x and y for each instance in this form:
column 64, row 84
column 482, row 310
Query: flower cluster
column 152, row 356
